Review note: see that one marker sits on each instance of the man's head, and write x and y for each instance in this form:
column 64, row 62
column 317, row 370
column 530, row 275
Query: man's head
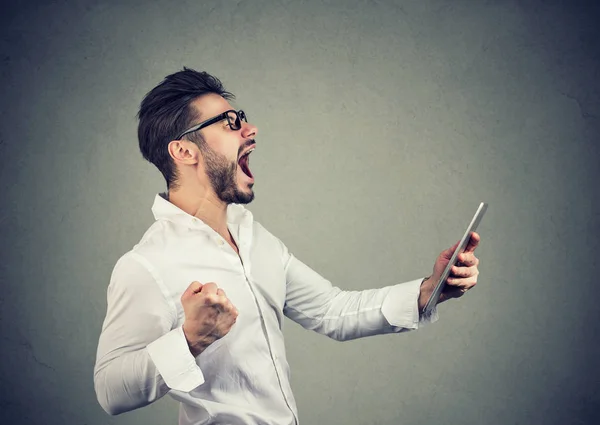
column 211, row 154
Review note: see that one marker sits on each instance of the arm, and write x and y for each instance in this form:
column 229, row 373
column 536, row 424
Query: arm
column 141, row 352
column 314, row 303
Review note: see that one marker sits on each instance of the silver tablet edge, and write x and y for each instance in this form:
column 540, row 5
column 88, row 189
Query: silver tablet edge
column 432, row 302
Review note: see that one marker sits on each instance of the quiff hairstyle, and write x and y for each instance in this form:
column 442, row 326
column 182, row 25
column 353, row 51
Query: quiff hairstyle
column 166, row 112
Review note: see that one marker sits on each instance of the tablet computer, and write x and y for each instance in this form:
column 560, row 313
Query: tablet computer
column 439, row 287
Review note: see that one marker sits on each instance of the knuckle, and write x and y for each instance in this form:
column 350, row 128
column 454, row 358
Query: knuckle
column 221, row 303
column 211, row 286
column 210, row 299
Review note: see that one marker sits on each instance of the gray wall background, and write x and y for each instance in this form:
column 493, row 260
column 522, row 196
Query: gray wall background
column 382, row 125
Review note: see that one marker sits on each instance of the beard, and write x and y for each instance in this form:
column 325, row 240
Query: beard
column 222, row 176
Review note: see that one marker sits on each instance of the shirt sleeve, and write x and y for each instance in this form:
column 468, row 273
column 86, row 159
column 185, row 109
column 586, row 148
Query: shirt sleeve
column 142, row 353
column 313, row 302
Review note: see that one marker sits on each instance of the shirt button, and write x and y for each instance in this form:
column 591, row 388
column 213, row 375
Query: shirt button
column 220, row 242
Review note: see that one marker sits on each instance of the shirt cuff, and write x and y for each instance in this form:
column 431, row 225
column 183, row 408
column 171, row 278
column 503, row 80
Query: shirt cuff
column 174, row 361
column 401, row 309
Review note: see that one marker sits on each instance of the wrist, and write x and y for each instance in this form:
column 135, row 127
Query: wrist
column 195, row 343
column 425, row 292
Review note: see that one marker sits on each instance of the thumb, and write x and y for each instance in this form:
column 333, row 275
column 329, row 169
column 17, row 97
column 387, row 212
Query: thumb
column 447, row 254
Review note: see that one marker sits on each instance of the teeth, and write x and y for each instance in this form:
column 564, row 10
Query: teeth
column 248, row 153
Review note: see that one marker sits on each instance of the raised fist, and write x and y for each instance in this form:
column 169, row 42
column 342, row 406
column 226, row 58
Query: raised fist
column 209, row 315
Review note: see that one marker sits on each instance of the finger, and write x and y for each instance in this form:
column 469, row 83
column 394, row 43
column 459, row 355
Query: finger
column 221, row 302
column 213, row 300
column 218, row 301
column 467, row 259
column 224, row 301
column 461, row 283
column 226, row 307
column 473, row 242
column 447, row 254
column 461, row 271
column 192, row 289
column 210, row 288
column 230, row 308
column 453, row 292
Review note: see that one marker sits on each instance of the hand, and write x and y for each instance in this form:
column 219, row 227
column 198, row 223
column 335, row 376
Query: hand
column 209, row 315
column 463, row 275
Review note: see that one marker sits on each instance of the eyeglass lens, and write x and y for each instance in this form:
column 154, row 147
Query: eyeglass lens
column 235, row 123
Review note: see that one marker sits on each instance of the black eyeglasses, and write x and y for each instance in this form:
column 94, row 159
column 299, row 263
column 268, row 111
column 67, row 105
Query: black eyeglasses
column 234, row 119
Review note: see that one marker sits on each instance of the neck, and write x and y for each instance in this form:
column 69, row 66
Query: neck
column 203, row 204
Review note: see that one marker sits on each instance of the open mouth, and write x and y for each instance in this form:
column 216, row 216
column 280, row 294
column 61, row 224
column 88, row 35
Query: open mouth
column 244, row 163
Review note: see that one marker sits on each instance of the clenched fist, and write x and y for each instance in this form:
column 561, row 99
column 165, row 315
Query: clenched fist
column 209, row 315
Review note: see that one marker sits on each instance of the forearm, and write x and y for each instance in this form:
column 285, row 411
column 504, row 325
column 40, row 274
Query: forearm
column 131, row 377
column 314, row 303
column 346, row 315
column 142, row 353
column 128, row 382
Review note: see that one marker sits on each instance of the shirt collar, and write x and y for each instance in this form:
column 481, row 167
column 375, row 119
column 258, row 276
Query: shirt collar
column 164, row 210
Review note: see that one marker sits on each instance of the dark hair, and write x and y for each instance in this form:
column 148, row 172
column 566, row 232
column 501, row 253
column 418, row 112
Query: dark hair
column 165, row 112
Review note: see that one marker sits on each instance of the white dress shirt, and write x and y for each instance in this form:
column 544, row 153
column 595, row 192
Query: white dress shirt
column 244, row 377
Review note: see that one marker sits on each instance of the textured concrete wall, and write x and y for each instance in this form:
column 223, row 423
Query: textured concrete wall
column 382, row 125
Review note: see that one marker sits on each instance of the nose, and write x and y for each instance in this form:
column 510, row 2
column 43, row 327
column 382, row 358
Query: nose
column 249, row 131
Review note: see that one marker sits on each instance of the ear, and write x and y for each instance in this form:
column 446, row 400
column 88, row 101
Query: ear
column 184, row 151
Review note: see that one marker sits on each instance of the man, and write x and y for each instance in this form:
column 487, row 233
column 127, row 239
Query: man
column 196, row 308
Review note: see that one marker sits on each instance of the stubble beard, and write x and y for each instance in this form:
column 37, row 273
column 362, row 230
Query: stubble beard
column 222, row 176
